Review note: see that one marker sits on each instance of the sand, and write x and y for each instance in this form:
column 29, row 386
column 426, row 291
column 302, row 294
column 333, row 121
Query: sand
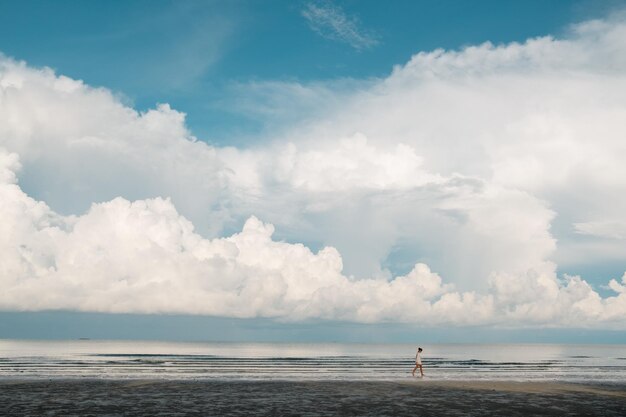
column 307, row 398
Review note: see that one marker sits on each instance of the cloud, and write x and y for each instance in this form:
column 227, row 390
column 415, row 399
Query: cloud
column 617, row 287
column 331, row 22
column 143, row 257
column 99, row 149
column 315, row 192
column 280, row 103
column 483, row 165
column 543, row 117
column 610, row 229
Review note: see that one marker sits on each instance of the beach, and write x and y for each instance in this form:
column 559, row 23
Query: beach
column 72, row 397
column 157, row 378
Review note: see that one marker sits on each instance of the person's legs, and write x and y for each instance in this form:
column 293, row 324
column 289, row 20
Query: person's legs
column 421, row 369
column 414, row 369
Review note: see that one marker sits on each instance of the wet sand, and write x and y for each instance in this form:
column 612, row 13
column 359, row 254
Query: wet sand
column 308, row 398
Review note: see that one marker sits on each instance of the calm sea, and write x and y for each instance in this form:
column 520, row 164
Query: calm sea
column 299, row 361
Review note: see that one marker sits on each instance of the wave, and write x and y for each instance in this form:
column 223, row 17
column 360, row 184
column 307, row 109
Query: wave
column 91, row 359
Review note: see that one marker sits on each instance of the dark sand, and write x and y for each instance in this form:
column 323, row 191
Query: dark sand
column 307, row 398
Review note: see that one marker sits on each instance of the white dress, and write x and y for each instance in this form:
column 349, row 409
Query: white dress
column 418, row 359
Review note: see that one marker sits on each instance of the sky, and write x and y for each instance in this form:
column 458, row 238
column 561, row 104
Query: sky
column 195, row 55
column 439, row 165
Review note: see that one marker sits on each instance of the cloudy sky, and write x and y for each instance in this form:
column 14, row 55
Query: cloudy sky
column 429, row 164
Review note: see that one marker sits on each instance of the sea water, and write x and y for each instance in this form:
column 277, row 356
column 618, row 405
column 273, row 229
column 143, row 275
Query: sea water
column 308, row 361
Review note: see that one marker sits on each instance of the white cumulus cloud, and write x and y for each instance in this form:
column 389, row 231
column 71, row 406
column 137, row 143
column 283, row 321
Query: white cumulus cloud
column 144, row 257
column 487, row 165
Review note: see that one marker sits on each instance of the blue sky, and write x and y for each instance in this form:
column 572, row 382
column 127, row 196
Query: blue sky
column 190, row 54
column 256, row 166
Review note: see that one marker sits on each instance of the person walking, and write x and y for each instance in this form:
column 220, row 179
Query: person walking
column 418, row 363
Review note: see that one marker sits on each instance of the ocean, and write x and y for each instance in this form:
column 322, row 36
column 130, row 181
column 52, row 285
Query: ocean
column 104, row 359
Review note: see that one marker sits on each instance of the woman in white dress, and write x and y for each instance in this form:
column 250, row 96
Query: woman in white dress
column 418, row 362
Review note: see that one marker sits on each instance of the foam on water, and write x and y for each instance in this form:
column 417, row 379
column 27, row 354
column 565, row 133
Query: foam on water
column 263, row 361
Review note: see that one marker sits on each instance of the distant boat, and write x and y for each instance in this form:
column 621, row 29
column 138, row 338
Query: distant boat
column 84, row 338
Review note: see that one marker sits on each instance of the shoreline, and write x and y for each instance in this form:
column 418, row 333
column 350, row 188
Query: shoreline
column 150, row 397
column 460, row 383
